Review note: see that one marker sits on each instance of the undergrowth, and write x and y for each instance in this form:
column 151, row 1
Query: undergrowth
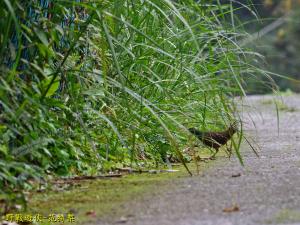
column 87, row 87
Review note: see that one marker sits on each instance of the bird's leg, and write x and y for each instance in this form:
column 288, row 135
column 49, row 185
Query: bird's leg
column 228, row 150
column 213, row 156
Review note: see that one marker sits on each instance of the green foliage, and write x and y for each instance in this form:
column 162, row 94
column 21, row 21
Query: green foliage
column 277, row 39
column 112, row 88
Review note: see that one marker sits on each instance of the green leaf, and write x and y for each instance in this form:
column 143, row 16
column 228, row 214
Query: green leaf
column 3, row 149
column 54, row 86
column 42, row 36
column 94, row 92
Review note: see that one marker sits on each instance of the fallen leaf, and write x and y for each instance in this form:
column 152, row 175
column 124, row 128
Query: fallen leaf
column 170, row 171
column 123, row 219
column 91, row 213
column 234, row 208
column 236, row 175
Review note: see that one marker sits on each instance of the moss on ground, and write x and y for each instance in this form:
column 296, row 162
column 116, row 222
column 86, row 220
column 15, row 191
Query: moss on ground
column 92, row 200
column 281, row 106
column 285, row 216
column 89, row 200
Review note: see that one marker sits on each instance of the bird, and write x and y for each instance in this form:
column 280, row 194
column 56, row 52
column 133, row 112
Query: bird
column 215, row 139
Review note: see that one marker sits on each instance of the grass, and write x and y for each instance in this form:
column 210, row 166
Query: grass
column 105, row 199
column 91, row 86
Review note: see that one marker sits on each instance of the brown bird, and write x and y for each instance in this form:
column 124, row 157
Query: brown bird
column 215, row 139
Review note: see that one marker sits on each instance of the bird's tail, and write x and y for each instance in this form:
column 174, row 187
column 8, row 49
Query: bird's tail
column 234, row 126
column 196, row 132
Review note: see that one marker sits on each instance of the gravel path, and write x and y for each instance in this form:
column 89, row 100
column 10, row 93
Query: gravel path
column 267, row 192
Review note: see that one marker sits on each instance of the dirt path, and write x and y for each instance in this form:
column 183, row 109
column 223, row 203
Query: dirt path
column 267, row 192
